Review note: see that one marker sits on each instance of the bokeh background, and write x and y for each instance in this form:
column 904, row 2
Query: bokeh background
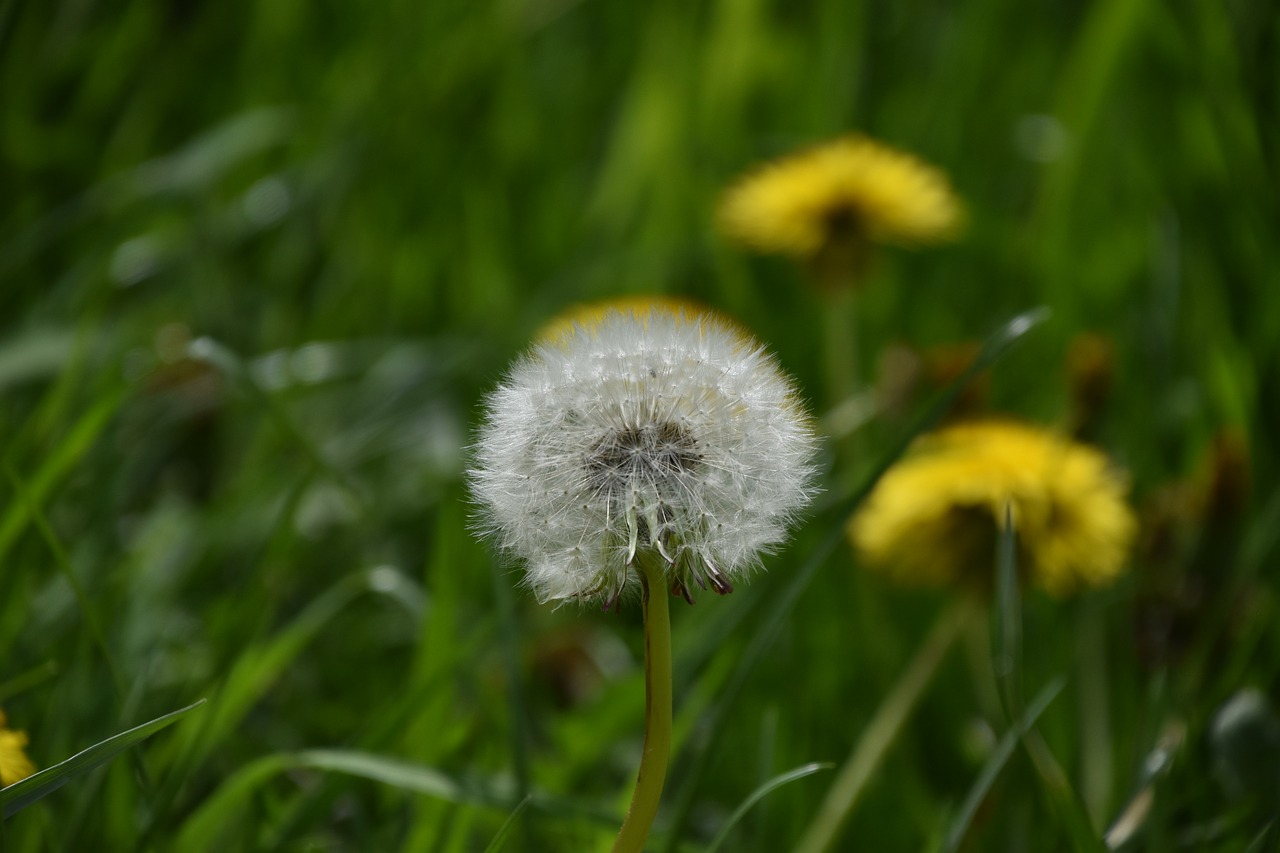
column 260, row 261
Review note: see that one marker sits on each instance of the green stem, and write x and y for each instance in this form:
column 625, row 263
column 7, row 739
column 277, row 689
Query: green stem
column 883, row 729
column 657, row 713
column 1095, row 719
column 840, row 335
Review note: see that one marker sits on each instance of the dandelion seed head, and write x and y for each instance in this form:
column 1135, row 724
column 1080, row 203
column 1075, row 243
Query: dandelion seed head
column 646, row 433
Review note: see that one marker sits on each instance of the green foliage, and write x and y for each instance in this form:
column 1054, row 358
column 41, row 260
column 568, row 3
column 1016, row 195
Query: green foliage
column 259, row 261
column 19, row 795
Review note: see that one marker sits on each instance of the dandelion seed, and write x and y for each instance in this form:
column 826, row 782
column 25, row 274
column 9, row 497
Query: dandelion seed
column 934, row 518
column 645, row 431
column 14, row 764
column 827, row 204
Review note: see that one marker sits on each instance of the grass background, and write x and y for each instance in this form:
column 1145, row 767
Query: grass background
column 260, row 261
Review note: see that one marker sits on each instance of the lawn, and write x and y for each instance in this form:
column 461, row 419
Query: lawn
column 262, row 263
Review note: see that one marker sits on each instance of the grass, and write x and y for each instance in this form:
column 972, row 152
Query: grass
column 259, row 263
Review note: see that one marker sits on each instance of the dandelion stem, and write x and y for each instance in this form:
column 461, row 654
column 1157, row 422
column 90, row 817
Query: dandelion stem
column 841, row 339
column 882, row 731
column 657, row 711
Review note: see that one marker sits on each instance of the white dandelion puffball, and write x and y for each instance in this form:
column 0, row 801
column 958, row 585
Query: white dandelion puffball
column 658, row 435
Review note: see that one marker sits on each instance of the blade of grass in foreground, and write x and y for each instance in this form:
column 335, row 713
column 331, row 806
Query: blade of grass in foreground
column 520, row 728
column 253, row 675
column 1097, row 751
column 56, row 466
column 22, row 794
column 759, row 794
column 771, row 622
column 996, row 762
column 87, row 612
column 25, row 681
column 1008, row 662
column 258, row 668
column 1008, row 673
column 882, row 730
column 496, row 844
column 223, row 809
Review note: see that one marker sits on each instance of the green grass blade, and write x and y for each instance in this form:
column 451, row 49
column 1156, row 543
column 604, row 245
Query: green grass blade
column 1008, row 673
column 223, row 808
column 56, row 466
column 995, row 763
column 1066, row 800
column 760, row 793
column 18, row 796
column 520, row 728
column 23, row 682
column 257, row 670
column 34, row 355
column 87, row 612
column 1097, row 753
column 398, row 774
column 1265, row 840
column 882, row 730
column 1008, row 662
column 496, row 844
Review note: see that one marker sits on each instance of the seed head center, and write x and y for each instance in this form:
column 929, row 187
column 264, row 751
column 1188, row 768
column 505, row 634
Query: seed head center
column 634, row 455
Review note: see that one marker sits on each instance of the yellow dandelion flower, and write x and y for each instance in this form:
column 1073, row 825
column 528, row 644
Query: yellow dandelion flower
column 827, row 202
column 14, row 764
column 934, row 517
column 591, row 314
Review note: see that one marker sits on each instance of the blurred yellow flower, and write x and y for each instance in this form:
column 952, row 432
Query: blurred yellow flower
column 824, row 204
column 590, row 314
column 934, row 517
column 14, row 764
